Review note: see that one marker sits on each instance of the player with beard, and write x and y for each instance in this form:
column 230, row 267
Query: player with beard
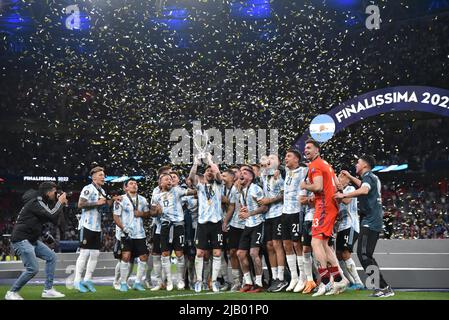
column 190, row 204
column 156, row 238
column 252, row 236
column 322, row 182
column 231, row 233
column 235, row 227
column 210, row 219
column 273, row 187
column 170, row 200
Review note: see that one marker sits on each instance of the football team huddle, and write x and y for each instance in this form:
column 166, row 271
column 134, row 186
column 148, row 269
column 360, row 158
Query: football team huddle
column 224, row 228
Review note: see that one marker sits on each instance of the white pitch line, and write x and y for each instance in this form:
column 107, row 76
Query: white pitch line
column 180, row 295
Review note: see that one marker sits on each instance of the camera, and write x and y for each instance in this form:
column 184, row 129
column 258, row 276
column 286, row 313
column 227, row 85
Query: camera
column 59, row 191
column 48, row 238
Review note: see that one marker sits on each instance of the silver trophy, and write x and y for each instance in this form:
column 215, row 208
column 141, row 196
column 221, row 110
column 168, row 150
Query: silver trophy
column 201, row 142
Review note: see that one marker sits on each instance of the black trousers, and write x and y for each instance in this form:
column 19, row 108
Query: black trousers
column 365, row 249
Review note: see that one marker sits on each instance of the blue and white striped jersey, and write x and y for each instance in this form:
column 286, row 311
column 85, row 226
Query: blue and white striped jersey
column 272, row 188
column 156, row 220
column 234, row 197
column 209, row 199
column 348, row 216
column 248, row 198
column 192, row 206
column 171, row 203
column 293, row 179
column 125, row 210
column 91, row 218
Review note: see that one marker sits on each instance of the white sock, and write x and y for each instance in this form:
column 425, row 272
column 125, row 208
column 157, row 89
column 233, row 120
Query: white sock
column 291, row 261
column 247, row 277
column 124, row 270
column 81, row 264
column 166, row 267
column 281, row 270
column 141, row 268
column 259, row 280
column 206, row 270
column 308, row 262
column 199, row 263
column 117, row 272
column 216, row 265
column 91, row 264
column 157, row 267
column 274, row 272
column 180, row 268
column 350, row 265
column 235, row 276
column 300, row 260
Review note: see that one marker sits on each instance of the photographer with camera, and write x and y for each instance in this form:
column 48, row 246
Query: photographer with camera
column 26, row 233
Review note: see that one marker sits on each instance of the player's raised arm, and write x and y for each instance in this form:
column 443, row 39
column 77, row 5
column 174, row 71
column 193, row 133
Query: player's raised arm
column 214, row 167
column 192, row 175
column 354, row 180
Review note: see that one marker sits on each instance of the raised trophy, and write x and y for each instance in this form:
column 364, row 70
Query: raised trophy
column 201, row 142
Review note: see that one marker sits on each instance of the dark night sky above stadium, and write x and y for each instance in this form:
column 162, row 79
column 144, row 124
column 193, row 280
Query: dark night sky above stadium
column 112, row 91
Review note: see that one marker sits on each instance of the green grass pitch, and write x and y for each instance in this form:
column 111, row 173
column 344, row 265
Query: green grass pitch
column 33, row 292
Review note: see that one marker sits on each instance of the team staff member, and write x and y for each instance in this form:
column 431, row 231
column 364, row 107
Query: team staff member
column 25, row 238
column 370, row 209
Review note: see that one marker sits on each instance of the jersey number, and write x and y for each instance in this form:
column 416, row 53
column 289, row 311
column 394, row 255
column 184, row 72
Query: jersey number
column 259, row 235
column 295, row 227
column 315, row 222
